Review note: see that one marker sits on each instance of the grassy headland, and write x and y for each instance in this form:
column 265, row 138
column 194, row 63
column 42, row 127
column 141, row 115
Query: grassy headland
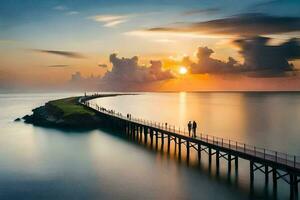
column 65, row 113
column 70, row 106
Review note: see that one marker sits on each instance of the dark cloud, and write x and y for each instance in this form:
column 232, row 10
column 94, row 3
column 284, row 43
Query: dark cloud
column 280, row 7
column 76, row 77
column 102, row 65
column 242, row 25
column 201, row 11
column 68, row 54
column 206, row 64
column 266, row 3
column 260, row 59
column 268, row 60
column 128, row 70
column 58, row 66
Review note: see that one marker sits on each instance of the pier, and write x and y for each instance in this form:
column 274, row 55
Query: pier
column 274, row 165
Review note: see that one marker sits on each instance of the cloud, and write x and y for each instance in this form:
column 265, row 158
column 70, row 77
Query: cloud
column 250, row 24
column 128, row 70
column 260, row 59
column 206, row 11
column 268, row 60
column 60, row 8
column 165, row 41
column 68, row 54
column 266, row 3
column 66, row 10
column 76, row 77
column 72, row 12
column 126, row 74
column 110, row 20
column 206, row 64
column 102, row 65
column 274, row 3
column 58, row 66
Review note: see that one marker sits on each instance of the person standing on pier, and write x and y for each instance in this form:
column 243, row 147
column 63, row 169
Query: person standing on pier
column 194, row 128
column 190, row 128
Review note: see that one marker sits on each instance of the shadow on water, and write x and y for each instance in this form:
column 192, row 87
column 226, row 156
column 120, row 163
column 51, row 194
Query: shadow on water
column 228, row 179
column 62, row 129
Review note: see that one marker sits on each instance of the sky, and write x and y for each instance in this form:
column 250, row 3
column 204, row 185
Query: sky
column 141, row 45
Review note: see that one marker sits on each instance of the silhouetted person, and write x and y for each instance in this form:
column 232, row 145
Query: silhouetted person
column 166, row 125
column 194, row 128
column 190, row 127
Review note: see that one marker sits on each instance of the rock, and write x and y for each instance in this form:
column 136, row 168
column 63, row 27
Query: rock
column 50, row 115
column 17, row 120
column 27, row 118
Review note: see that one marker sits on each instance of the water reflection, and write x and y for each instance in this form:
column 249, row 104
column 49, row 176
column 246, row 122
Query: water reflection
column 254, row 118
column 182, row 107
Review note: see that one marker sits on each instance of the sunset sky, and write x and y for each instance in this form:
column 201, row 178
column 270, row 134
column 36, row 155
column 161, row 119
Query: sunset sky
column 165, row 45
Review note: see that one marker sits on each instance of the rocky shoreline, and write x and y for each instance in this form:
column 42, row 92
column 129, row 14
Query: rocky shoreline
column 53, row 114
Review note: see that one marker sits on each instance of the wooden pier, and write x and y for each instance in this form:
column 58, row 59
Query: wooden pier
column 271, row 163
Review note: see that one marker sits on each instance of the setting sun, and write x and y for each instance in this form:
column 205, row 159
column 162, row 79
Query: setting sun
column 182, row 70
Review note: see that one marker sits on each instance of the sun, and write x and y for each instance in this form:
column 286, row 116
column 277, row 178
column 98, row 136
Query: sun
column 182, row 70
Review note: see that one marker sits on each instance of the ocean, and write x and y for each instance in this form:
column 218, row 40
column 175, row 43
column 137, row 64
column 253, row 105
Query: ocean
column 47, row 163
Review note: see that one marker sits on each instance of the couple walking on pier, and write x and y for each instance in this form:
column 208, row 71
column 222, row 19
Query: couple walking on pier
column 192, row 127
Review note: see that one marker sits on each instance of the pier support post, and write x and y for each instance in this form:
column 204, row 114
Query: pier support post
column 209, row 156
column 266, row 174
column 229, row 163
column 199, row 152
column 156, row 139
column 145, row 135
column 135, row 132
column 162, row 140
column 274, row 175
column 128, row 129
column 179, row 148
column 132, row 132
column 138, row 133
column 296, row 187
column 141, row 134
column 169, row 141
column 236, row 163
column 217, row 161
column 124, row 127
column 292, row 187
column 251, row 175
column 187, row 151
column 151, row 137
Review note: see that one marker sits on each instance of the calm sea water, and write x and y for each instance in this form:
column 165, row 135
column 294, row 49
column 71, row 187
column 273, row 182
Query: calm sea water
column 41, row 163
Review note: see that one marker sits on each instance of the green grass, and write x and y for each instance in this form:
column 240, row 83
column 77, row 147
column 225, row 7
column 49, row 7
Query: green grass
column 70, row 106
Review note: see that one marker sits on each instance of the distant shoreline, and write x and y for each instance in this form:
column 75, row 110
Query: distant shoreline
column 135, row 92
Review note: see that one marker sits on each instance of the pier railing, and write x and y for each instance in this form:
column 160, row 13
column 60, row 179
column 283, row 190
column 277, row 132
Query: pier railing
column 263, row 153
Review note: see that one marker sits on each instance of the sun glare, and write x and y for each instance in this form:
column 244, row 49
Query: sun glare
column 182, row 70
